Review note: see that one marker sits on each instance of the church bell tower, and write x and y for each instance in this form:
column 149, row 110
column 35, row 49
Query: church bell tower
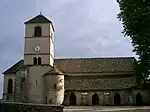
column 39, row 41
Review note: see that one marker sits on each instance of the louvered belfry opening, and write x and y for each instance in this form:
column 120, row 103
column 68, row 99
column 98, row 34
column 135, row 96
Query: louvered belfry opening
column 38, row 31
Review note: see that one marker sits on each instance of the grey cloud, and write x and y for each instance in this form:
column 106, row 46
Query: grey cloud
column 13, row 14
column 84, row 28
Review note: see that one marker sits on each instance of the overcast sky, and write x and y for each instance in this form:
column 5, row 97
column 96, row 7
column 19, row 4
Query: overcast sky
column 84, row 28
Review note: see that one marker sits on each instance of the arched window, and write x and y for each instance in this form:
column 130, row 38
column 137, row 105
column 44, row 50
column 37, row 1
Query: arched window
column 39, row 61
column 139, row 101
column 72, row 99
column 36, row 82
column 10, row 85
column 37, row 32
column 117, row 99
column 45, row 100
column 34, row 61
column 95, row 99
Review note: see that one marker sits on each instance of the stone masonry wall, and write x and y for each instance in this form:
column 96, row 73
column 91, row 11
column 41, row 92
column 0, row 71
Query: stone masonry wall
column 144, row 94
column 90, row 83
column 17, row 87
column 106, row 87
column 128, row 97
column 20, row 88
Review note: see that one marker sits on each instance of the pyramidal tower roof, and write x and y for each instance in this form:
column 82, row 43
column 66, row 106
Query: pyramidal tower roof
column 53, row 71
column 38, row 19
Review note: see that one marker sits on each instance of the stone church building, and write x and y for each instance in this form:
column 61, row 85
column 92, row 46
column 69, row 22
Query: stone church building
column 42, row 79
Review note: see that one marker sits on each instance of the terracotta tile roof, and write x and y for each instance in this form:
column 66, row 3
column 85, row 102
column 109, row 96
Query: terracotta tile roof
column 76, row 65
column 86, row 65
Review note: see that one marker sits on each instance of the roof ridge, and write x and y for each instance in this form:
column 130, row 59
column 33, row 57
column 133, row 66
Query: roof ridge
column 14, row 65
column 37, row 19
column 95, row 58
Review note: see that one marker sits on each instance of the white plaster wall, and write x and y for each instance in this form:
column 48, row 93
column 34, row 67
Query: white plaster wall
column 56, row 95
column 51, row 60
column 51, row 47
column 29, row 29
column 30, row 43
column 28, row 59
column 36, row 92
column 46, row 42
column 52, row 33
column 60, row 89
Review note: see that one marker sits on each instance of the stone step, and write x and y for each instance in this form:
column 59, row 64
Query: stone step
column 106, row 109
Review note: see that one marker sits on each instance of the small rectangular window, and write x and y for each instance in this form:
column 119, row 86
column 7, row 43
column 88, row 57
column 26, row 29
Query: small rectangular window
column 36, row 82
column 85, row 93
column 37, row 31
column 55, row 86
column 46, row 100
column 22, row 86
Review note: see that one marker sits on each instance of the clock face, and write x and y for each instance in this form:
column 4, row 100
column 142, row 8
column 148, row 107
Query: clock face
column 37, row 48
